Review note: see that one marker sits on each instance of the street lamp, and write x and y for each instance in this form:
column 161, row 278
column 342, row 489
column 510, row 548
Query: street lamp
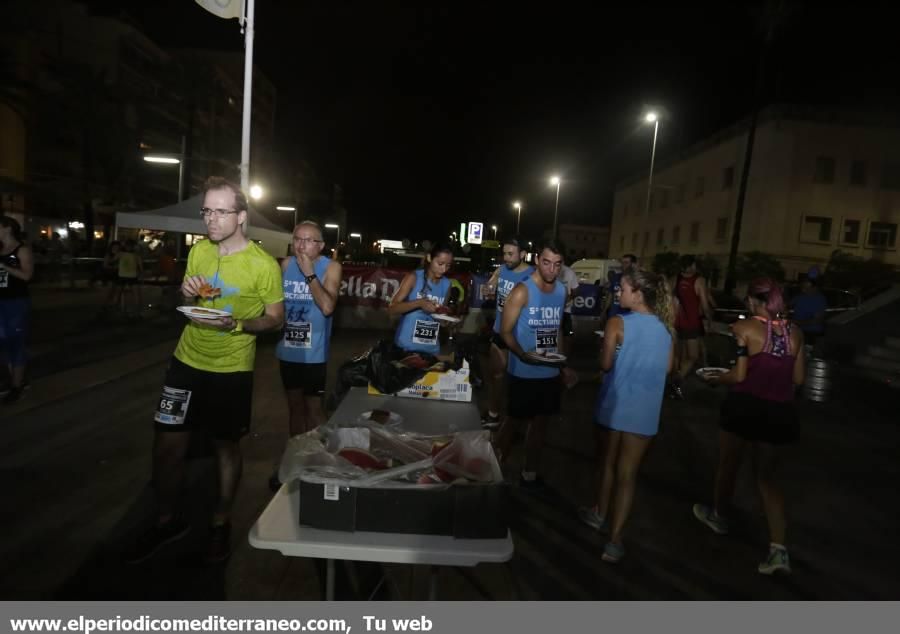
column 288, row 208
column 494, row 227
column 337, row 243
column 256, row 192
column 555, row 180
column 651, row 117
column 518, row 207
column 173, row 160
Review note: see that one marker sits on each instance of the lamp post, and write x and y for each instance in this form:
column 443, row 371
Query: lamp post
column 494, row 227
column 256, row 192
column 337, row 243
column 173, row 159
column 650, row 117
column 288, row 208
column 518, row 207
column 555, row 181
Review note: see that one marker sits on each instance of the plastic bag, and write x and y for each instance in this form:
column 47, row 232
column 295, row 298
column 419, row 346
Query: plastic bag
column 469, row 457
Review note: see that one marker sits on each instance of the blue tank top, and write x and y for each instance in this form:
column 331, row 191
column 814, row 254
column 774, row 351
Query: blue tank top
column 537, row 329
column 505, row 283
column 418, row 331
column 631, row 396
column 307, row 332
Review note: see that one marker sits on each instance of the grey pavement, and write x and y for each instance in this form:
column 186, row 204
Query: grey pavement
column 75, row 454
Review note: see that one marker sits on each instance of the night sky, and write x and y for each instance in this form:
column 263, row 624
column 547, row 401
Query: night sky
column 431, row 113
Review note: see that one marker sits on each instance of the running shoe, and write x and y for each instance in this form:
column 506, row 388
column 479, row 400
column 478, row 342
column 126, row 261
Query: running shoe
column 613, row 553
column 778, row 561
column 590, row 516
column 490, row 421
column 154, row 538
column 716, row 523
column 219, row 546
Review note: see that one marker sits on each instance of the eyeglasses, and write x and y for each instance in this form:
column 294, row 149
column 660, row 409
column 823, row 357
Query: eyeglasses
column 307, row 240
column 206, row 212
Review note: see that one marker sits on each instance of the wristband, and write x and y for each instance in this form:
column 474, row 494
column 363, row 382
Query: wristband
column 741, row 351
column 310, row 278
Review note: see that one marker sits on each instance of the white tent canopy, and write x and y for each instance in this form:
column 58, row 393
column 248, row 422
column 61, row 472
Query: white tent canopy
column 184, row 217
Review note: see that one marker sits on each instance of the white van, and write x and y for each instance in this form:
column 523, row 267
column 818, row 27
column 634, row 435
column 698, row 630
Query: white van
column 594, row 271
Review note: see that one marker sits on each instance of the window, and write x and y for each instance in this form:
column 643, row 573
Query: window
column 676, row 234
column 698, row 187
column 824, row 170
column 679, row 193
column 664, row 199
column 815, row 229
column 660, row 237
column 721, row 229
column 882, row 235
column 850, row 231
column 634, row 241
column 858, row 173
column 694, row 238
column 728, row 177
column 890, row 176
column 622, row 242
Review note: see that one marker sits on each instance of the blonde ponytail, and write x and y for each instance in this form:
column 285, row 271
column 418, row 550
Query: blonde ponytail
column 657, row 296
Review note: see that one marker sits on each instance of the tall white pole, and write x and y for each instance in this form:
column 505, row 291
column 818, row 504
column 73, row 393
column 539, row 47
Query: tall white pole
column 556, row 209
column 650, row 179
column 181, row 168
column 248, row 97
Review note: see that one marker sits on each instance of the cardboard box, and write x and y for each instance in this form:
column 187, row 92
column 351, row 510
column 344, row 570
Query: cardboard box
column 468, row 510
column 443, row 386
column 463, row 511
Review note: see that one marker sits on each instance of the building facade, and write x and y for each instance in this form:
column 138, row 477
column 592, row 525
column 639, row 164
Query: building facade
column 584, row 241
column 820, row 180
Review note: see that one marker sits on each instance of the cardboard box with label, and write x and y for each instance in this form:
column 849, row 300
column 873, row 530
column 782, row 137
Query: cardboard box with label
column 452, row 385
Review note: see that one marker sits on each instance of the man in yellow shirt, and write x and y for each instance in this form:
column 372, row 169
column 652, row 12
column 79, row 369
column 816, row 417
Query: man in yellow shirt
column 209, row 382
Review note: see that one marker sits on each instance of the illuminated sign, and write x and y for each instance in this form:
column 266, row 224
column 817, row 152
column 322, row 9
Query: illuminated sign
column 476, row 230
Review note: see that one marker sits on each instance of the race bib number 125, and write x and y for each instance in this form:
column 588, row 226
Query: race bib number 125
column 298, row 335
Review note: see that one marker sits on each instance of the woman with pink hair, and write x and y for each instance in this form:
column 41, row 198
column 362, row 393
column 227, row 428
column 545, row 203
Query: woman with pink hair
column 758, row 413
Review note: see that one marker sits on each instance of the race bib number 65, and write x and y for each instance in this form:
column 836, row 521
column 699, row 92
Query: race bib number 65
column 173, row 406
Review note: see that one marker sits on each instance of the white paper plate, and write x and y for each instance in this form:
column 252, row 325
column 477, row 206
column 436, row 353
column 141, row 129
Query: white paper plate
column 393, row 419
column 448, row 318
column 598, row 332
column 550, row 357
column 198, row 312
column 702, row 372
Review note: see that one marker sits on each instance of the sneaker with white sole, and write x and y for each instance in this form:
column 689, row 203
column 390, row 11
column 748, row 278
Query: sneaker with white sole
column 716, row 523
column 778, row 561
column 590, row 516
column 613, row 553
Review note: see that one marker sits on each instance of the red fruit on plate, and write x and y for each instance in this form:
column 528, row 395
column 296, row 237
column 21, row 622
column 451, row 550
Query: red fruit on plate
column 362, row 458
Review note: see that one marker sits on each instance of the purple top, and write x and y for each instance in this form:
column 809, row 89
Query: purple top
column 770, row 373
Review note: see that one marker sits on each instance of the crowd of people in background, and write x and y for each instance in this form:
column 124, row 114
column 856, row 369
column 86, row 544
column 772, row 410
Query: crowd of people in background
column 653, row 331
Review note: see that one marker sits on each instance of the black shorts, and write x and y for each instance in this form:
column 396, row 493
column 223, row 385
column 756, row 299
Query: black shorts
column 218, row 402
column 758, row 420
column 568, row 328
column 527, row 398
column 309, row 377
column 497, row 340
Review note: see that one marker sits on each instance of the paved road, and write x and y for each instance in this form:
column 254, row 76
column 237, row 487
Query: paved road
column 76, row 467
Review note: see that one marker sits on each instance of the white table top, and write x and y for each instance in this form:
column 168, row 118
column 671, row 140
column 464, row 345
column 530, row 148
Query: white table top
column 278, row 528
column 425, row 416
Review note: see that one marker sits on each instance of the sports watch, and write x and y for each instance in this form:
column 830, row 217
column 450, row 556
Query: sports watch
column 310, row 278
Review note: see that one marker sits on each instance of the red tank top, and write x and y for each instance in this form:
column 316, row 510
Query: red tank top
column 688, row 317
